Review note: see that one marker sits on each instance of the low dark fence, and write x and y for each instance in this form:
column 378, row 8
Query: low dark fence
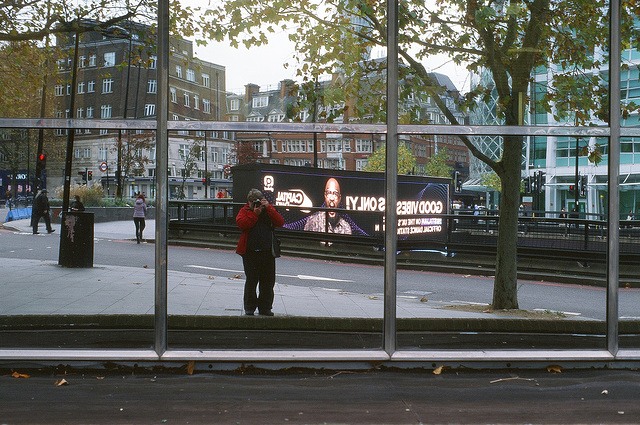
column 544, row 235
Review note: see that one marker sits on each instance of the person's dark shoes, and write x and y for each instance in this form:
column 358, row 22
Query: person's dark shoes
column 51, row 230
column 266, row 313
column 248, row 313
column 36, row 233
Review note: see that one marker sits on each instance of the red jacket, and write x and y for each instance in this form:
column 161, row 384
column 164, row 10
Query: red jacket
column 247, row 218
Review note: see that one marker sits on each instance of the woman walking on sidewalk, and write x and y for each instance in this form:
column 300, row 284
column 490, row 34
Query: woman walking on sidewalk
column 139, row 213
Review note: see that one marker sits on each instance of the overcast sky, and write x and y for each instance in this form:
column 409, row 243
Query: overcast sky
column 265, row 65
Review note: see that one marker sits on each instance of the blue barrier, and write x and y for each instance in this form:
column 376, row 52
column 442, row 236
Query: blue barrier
column 18, row 214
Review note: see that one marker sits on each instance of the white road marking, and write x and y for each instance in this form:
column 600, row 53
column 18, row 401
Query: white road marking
column 300, row 276
column 568, row 313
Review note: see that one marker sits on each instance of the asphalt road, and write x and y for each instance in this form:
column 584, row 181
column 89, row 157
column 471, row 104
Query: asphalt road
column 582, row 301
column 305, row 396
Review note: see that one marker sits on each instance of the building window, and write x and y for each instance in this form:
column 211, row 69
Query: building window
column 187, row 100
column 206, row 81
column 175, row 117
column 81, row 87
column 82, row 62
column 149, row 109
column 78, row 153
column 59, row 90
column 174, row 96
column 178, row 71
column 105, row 111
column 87, row 152
column 365, row 146
column 60, row 63
column 183, row 151
column 89, row 111
column 107, row 85
column 92, row 60
column 234, row 104
column 260, row 101
column 215, row 154
column 206, row 105
column 196, row 102
column 152, row 86
column 153, row 62
column 361, row 164
column 191, row 75
column 79, row 112
column 110, row 59
column 68, row 89
column 91, row 86
column 104, row 132
column 102, row 154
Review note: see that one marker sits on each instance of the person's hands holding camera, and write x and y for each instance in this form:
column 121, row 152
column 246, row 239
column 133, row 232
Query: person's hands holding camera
column 259, row 205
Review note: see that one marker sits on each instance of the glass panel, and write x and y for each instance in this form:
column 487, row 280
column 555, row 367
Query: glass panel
column 324, row 272
column 520, row 244
column 81, row 282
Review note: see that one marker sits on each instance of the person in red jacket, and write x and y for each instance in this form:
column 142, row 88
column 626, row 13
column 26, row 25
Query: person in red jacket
column 257, row 219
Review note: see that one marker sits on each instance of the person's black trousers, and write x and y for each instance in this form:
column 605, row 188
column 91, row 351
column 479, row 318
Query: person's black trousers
column 139, row 222
column 260, row 271
column 47, row 221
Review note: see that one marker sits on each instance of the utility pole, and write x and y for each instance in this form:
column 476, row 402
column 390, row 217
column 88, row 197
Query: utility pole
column 71, row 132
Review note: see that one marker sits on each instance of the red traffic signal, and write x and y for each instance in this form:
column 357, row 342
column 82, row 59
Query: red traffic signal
column 42, row 161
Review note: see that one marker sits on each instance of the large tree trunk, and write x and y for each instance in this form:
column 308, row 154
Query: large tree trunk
column 505, row 288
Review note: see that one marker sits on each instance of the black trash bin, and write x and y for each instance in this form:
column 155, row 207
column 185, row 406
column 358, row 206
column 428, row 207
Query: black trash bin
column 76, row 239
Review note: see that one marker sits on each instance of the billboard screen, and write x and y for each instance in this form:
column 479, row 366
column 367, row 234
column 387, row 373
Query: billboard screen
column 359, row 197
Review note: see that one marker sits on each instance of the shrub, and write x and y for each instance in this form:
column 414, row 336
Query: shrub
column 91, row 195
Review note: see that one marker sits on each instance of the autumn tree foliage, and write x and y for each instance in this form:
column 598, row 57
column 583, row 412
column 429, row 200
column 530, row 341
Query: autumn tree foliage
column 406, row 160
column 243, row 152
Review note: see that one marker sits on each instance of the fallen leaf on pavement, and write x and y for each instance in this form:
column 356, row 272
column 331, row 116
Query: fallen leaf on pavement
column 19, row 375
column 145, row 266
column 190, row 367
column 137, row 283
column 440, row 369
column 373, row 297
column 554, row 368
column 237, row 276
column 423, row 300
column 61, row 382
column 210, row 277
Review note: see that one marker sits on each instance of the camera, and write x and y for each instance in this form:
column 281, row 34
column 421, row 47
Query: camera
column 257, row 203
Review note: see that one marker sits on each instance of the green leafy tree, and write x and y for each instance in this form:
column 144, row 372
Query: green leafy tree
column 508, row 40
column 437, row 165
column 492, row 181
column 406, row 160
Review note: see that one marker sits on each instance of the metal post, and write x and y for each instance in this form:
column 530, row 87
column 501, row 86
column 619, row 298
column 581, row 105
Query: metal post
column 613, row 237
column 162, row 163
column 391, row 178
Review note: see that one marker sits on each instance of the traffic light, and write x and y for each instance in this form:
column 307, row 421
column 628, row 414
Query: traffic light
column 205, row 181
column 89, row 175
column 539, row 181
column 582, row 185
column 458, row 181
column 527, row 184
column 572, row 190
column 83, row 174
column 42, row 161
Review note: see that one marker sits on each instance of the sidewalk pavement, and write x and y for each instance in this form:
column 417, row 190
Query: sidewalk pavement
column 116, row 290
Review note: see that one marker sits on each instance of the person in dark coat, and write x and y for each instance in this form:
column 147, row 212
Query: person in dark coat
column 257, row 219
column 41, row 210
column 77, row 204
